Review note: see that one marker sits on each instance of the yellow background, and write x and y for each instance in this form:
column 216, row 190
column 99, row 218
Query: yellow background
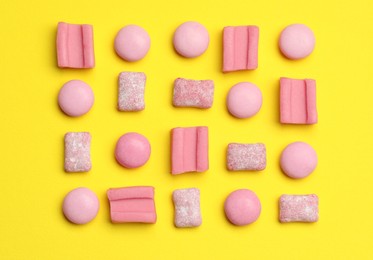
column 33, row 182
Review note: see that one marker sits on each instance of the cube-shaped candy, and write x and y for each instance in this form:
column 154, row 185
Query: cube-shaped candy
column 193, row 93
column 298, row 101
column 77, row 152
column 187, row 207
column 75, row 46
column 189, row 149
column 132, row 204
column 240, row 48
column 299, row 208
column 131, row 89
column 249, row 157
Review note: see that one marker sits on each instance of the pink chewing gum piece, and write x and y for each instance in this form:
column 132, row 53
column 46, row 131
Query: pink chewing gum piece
column 131, row 89
column 75, row 46
column 132, row 204
column 298, row 101
column 249, row 157
column 299, row 208
column 193, row 93
column 187, row 207
column 240, row 48
column 77, row 152
column 189, row 149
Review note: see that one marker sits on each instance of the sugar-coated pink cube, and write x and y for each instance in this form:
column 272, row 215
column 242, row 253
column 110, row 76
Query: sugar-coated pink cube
column 250, row 157
column 131, row 90
column 75, row 46
column 298, row 101
column 193, row 93
column 189, row 149
column 187, row 207
column 240, row 48
column 77, row 152
column 299, row 208
column 132, row 204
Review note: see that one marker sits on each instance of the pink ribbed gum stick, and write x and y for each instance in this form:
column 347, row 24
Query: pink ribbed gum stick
column 132, row 204
column 189, row 149
column 298, row 101
column 240, row 48
column 75, row 46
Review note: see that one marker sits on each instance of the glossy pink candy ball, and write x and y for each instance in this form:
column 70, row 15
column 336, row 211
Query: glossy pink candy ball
column 242, row 207
column 75, row 98
column 80, row 206
column 297, row 41
column 191, row 39
column 298, row 160
column 132, row 150
column 132, row 43
column 244, row 100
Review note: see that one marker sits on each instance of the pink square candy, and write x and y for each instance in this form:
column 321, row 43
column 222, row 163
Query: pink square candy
column 187, row 207
column 193, row 93
column 75, row 46
column 77, row 152
column 299, row 208
column 298, row 101
column 131, row 91
column 132, row 204
column 240, row 48
column 189, row 149
column 250, row 157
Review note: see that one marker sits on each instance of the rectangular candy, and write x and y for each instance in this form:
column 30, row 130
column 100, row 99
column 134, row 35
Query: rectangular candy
column 75, row 46
column 298, row 101
column 132, row 204
column 189, row 149
column 240, row 48
column 187, row 207
column 193, row 93
column 77, row 152
column 299, row 208
column 250, row 157
column 131, row 89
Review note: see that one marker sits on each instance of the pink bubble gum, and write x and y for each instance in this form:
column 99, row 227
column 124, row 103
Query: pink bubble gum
column 132, row 204
column 75, row 46
column 249, row 157
column 298, row 101
column 131, row 88
column 193, row 93
column 299, row 208
column 240, row 48
column 187, row 207
column 189, row 149
column 77, row 152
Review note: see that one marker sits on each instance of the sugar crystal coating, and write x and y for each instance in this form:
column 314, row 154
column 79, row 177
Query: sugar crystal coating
column 251, row 157
column 193, row 93
column 187, row 207
column 131, row 91
column 299, row 208
column 77, row 152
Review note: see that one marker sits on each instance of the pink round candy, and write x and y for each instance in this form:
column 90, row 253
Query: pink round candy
column 132, row 43
column 80, row 206
column 298, row 160
column 242, row 207
column 132, row 150
column 244, row 100
column 297, row 41
column 191, row 39
column 75, row 98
